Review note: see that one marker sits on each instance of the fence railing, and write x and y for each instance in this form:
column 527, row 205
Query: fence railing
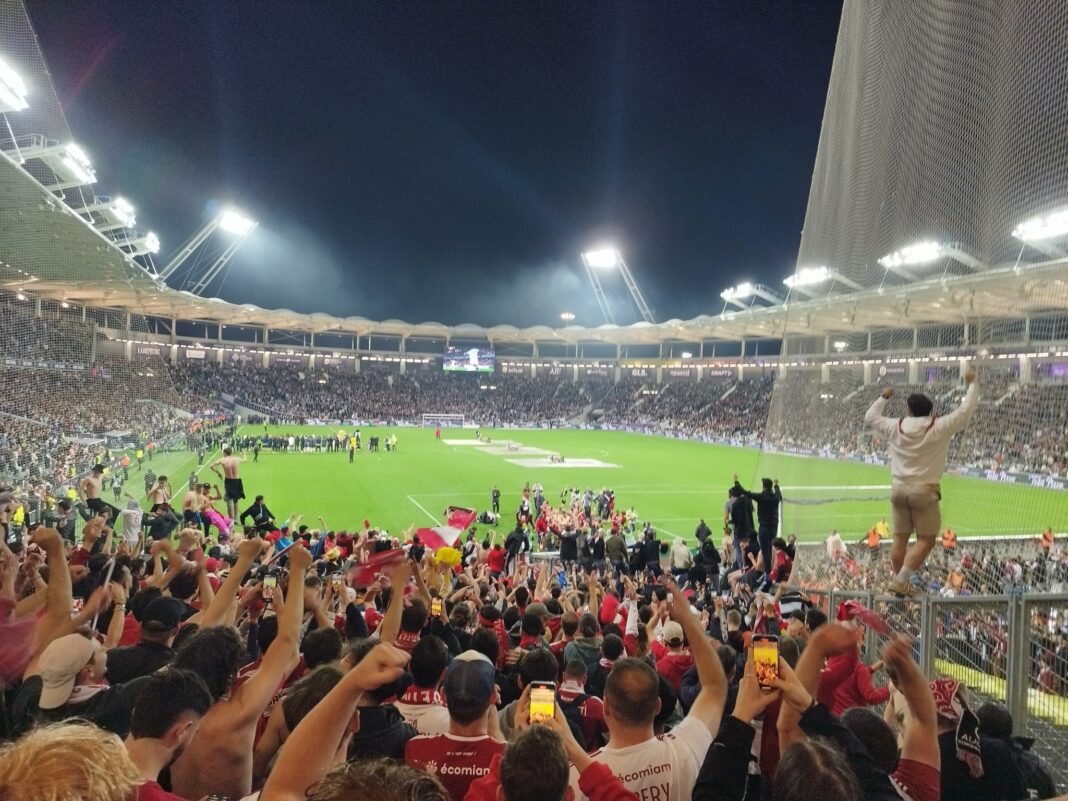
column 1009, row 649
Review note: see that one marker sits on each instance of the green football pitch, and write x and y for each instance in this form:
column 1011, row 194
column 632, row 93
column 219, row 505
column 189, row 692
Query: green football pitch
column 671, row 483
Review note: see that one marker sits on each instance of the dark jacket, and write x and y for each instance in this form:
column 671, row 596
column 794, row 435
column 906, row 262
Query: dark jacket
column 725, row 771
column 1002, row 780
column 767, row 502
column 134, row 661
column 742, row 517
column 383, row 733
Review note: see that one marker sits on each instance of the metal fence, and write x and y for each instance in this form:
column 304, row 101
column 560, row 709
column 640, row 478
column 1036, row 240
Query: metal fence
column 1009, row 649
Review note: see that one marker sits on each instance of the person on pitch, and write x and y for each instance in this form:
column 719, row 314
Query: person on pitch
column 235, row 490
column 918, row 446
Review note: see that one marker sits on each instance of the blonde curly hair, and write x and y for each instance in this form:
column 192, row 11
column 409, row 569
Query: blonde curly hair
column 69, row 761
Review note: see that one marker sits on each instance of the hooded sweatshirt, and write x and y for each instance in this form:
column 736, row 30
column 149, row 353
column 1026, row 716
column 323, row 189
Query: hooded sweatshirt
column 588, row 649
column 919, row 445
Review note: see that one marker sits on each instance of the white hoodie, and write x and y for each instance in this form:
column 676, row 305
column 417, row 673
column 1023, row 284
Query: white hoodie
column 918, row 445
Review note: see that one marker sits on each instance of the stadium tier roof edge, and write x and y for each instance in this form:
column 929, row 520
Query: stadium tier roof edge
column 50, row 251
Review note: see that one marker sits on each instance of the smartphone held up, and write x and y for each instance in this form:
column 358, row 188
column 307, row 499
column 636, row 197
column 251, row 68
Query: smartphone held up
column 766, row 660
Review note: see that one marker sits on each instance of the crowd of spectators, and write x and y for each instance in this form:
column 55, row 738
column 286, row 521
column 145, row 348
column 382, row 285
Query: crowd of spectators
column 354, row 665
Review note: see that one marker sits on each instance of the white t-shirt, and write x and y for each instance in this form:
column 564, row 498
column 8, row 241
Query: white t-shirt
column 660, row 769
column 425, row 718
column 131, row 524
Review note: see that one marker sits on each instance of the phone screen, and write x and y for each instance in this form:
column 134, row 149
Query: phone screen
column 269, row 582
column 435, row 607
column 766, row 659
column 542, row 701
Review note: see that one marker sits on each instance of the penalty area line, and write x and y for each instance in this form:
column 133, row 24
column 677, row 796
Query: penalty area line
column 425, row 510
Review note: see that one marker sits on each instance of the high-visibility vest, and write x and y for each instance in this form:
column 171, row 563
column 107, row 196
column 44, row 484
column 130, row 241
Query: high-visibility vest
column 873, row 538
column 949, row 538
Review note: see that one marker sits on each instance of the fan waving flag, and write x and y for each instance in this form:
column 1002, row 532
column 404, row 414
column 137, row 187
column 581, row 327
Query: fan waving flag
column 457, row 520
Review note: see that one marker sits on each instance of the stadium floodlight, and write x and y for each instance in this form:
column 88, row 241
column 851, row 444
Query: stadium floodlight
column 808, row 277
column 747, row 290
column 75, row 160
column 12, row 89
column 1037, row 231
column 69, row 163
column 215, row 254
column 926, row 252
column 234, row 223
column 919, row 253
column 147, row 245
column 609, row 258
column 687, row 354
column 124, row 212
column 740, row 292
column 567, row 317
column 1038, row 228
column 603, row 258
column 841, row 345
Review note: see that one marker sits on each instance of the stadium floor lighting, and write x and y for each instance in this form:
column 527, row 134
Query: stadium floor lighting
column 567, row 317
column 143, row 246
column 69, row 163
column 12, row 89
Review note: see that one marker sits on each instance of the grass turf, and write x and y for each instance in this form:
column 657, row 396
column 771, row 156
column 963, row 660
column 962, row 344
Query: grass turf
column 671, row 483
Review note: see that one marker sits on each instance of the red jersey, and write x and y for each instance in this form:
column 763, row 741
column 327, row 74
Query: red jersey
column 455, row 761
column 131, row 630
column 151, row 791
column 495, row 559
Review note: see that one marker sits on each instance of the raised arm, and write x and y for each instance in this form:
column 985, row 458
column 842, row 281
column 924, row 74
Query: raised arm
column 920, row 737
column 215, row 612
column 55, row 620
column 389, row 628
column 874, row 416
column 313, row 746
column 959, row 417
column 708, row 706
column 282, row 656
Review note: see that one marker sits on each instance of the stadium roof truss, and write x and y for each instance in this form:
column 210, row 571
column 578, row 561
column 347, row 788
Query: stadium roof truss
column 73, row 261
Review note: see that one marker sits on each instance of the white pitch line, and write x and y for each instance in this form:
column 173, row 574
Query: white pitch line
column 425, row 510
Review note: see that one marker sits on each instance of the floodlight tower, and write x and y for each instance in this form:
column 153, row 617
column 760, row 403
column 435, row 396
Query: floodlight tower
column 230, row 222
column 609, row 258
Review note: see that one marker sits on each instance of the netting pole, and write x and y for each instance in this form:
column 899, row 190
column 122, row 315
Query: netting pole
column 1017, row 663
column 927, row 637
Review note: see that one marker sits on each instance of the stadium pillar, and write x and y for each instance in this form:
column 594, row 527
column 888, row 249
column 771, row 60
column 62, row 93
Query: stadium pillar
column 356, row 364
column 174, row 354
column 914, row 372
column 37, row 306
column 128, row 349
column 266, row 360
column 174, row 331
column 126, row 322
column 867, row 373
column 825, row 374
column 741, row 370
column 826, row 344
column 83, row 314
column 1026, row 370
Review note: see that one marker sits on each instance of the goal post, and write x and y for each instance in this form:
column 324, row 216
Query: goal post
column 443, row 420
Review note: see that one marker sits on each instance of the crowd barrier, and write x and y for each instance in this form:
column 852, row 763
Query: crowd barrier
column 1008, row 647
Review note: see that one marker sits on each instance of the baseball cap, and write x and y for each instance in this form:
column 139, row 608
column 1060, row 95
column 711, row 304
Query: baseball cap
column 469, row 681
column 60, row 664
column 673, row 633
column 162, row 614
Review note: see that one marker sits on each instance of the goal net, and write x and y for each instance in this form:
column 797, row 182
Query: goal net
column 443, row 420
column 934, row 242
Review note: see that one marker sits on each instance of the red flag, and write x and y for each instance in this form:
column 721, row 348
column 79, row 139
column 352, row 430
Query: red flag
column 848, row 610
column 457, row 519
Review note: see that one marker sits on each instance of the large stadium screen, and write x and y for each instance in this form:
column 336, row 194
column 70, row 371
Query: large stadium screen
column 468, row 360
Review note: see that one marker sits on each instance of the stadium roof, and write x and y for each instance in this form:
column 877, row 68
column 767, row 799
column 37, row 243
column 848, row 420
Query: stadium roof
column 50, row 251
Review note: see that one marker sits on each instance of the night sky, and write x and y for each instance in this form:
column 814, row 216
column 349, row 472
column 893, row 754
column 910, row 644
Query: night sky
column 449, row 162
